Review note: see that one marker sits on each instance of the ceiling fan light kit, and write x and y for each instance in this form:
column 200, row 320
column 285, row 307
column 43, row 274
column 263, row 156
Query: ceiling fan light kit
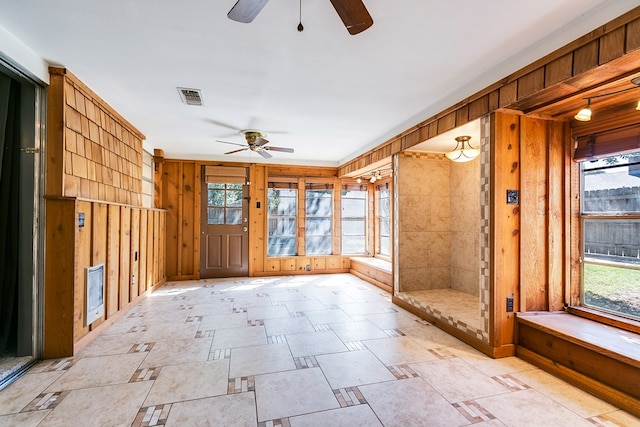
column 257, row 143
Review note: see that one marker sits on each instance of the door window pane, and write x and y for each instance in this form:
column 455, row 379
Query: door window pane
column 224, row 204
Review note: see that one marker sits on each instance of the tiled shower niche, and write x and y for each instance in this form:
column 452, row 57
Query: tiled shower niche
column 442, row 242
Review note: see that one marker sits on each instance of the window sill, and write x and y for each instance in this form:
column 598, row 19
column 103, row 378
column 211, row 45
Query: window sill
column 605, row 318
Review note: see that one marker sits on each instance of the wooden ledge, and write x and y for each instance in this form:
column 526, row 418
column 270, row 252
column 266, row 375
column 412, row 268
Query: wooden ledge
column 374, row 270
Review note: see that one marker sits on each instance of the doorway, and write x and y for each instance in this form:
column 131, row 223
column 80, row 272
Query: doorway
column 224, row 225
column 21, row 122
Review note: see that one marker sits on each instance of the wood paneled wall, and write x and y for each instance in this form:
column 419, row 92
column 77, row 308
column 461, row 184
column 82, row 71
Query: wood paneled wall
column 94, row 168
column 607, row 52
column 530, row 247
column 180, row 189
column 92, row 152
column 129, row 241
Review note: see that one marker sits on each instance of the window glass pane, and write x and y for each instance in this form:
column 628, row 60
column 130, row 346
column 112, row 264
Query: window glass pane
column 352, row 227
column 353, row 244
column 234, row 198
column 318, row 226
column 385, row 244
column 215, row 185
column 282, row 222
column 320, row 206
column 611, row 185
column 281, row 246
column 215, row 215
column 610, row 198
column 353, row 207
column 384, row 225
column 234, row 216
column 216, row 197
column 319, row 245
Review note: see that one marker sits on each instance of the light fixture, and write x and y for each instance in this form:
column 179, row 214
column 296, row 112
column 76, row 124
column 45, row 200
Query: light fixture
column 359, row 180
column 373, row 179
column 584, row 115
column 463, row 151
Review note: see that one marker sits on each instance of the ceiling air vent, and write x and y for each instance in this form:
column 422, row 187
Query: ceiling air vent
column 190, row 96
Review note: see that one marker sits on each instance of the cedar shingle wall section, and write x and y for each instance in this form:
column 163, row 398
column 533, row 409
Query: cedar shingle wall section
column 95, row 153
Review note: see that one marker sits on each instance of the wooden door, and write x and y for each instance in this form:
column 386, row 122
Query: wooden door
column 224, row 228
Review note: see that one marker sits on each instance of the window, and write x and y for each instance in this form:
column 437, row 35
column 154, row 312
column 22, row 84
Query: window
column 319, row 209
column 610, row 224
column 383, row 217
column 282, row 210
column 224, row 203
column 354, row 221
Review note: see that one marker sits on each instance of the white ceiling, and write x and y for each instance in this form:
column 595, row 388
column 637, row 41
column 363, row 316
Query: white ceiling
column 327, row 94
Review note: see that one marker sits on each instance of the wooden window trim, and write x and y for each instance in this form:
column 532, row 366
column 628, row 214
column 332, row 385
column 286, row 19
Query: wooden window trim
column 613, row 320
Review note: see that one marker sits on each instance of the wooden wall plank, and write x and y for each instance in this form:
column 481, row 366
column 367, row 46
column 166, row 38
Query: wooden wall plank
column 170, row 195
column 189, row 228
column 113, row 261
column 134, row 255
column 558, row 134
column 150, row 248
column 559, row 70
column 125, row 253
column 633, row 36
column 82, row 261
column 60, row 229
column 533, row 214
column 612, row 45
column 99, row 244
column 142, row 263
column 505, row 230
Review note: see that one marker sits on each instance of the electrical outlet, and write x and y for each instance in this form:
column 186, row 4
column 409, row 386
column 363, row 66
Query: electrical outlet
column 509, row 304
column 308, row 268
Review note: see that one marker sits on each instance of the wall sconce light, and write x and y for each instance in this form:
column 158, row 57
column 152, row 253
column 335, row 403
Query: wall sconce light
column 584, row 115
column 359, row 180
column 463, row 151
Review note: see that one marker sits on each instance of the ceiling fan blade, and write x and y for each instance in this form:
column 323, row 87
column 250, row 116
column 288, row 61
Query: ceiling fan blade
column 231, row 143
column 237, row 151
column 283, row 149
column 264, row 154
column 246, row 10
column 354, row 15
column 260, row 141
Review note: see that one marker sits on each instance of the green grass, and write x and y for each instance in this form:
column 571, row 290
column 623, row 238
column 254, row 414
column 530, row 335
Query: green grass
column 612, row 288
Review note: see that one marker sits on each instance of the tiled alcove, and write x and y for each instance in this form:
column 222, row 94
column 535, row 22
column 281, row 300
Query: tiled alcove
column 442, row 236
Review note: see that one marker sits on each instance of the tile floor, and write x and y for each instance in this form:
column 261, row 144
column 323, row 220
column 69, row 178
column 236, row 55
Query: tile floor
column 289, row 351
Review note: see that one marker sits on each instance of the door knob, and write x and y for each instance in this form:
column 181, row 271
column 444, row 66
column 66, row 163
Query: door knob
column 245, row 229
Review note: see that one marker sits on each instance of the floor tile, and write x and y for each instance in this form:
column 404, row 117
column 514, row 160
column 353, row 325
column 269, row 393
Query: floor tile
column 357, row 331
column 25, row 419
column 311, row 344
column 353, row 368
column 112, row 405
column 168, row 331
column 488, row 365
column 322, row 317
column 211, row 309
column 258, row 360
column 391, row 320
column 231, row 410
column 398, row 351
column 239, row 337
column 99, row 371
column 353, row 416
column 580, row 402
column 287, row 325
column 510, row 407
column 310, row 304
column 430, row 336
column 104, row 345
column 456, row 380
column 421, row 405
column 222, row 321
column 177, row 352
column 269, row 312
column 286, row 394
column 20, row 393
column 190, row 381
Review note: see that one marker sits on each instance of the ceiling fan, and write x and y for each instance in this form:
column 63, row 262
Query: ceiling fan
column 256, row 143
column 353, row 13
